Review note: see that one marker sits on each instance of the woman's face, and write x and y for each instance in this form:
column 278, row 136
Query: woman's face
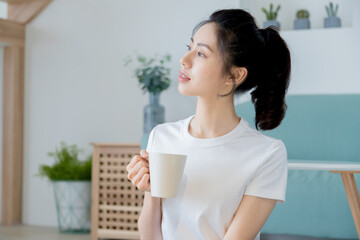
column 201, row 72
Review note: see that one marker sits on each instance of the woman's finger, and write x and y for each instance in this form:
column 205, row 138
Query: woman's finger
column 133, row 161
column 144, row 184
column 134, row 171
column 137, row 178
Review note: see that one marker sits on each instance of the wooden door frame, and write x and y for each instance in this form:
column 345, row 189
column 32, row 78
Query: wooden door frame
column 12, row 36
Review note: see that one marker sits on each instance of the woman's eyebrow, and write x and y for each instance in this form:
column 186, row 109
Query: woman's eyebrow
column 202, row 44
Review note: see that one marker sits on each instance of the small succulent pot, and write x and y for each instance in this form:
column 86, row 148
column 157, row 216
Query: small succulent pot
column 331, row 22
column 302, row 23
column 272, row 23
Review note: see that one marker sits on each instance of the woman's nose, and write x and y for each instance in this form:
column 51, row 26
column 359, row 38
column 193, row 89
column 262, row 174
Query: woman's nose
column 182, row 63
column 185, row 61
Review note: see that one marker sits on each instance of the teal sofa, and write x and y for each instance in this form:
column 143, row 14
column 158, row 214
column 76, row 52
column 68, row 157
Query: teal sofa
column 316, row 127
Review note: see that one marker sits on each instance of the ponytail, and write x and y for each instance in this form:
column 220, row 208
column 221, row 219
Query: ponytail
column 263, row 53
column 268, row 96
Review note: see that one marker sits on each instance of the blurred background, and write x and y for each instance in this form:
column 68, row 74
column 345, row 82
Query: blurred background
column 77, row 89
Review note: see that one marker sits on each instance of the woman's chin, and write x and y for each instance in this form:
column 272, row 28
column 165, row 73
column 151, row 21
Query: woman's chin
column 184, row 92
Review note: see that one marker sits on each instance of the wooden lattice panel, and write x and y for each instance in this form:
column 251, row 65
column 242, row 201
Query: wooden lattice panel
column 116, row 203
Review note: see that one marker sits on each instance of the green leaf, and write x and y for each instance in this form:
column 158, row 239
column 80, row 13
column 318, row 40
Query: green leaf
column 150, row 62
column 264, row 10
column 141, row 59
column 336, row 9
column 152, row 71
column 67, row 166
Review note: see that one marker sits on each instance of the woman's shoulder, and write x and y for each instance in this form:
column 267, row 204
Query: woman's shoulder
column 171, row 126
column 260, row 137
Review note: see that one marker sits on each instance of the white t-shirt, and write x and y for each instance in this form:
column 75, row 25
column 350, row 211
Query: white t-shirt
column 218, row 172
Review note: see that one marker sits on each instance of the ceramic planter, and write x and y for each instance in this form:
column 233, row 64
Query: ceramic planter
column 272, row 23
column 73, row 202
column 302, row 23
column 331, row 22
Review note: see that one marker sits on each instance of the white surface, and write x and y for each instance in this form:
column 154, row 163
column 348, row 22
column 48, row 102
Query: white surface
column 322, row 165
column 166, row 172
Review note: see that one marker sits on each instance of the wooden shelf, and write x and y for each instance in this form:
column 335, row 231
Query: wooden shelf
column 120, row 208
column 316, row 30
column 316, row 37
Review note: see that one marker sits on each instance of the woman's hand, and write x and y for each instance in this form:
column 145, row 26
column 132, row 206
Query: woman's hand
column 138, row 171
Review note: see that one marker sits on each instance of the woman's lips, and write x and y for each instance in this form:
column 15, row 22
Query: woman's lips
column 183, row 78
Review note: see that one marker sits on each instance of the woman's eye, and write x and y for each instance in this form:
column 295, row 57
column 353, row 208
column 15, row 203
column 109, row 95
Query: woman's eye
column 198, row 53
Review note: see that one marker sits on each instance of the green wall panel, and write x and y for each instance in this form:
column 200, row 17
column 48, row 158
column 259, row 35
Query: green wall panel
column 316, row 127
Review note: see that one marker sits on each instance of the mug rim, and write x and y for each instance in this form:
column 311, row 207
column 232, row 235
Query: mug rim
column 168, row 154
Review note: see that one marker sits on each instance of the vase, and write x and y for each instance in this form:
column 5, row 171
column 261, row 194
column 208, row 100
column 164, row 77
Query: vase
column 153, row 113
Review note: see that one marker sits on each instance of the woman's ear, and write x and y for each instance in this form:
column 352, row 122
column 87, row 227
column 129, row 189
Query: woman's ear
column 238, row 75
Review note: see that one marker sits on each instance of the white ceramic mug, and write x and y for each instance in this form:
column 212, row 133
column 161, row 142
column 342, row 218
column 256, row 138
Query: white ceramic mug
column 166, row 171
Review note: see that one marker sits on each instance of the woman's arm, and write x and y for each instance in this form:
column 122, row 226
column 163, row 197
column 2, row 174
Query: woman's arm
column 249, row 218
column 150, row 218
column 149, row 222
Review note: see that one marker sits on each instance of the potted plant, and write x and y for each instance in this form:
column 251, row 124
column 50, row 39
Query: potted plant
column 302, row 20
column 154, row 77
column 71, row 179
column 271, row 17
column 332, row 20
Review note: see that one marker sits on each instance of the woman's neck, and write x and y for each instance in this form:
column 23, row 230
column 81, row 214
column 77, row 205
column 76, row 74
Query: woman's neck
column 213, row 118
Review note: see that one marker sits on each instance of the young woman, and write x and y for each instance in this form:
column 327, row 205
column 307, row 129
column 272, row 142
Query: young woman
column 234, row 174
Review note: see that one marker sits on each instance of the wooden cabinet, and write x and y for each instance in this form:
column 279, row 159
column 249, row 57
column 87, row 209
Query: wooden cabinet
column 116, row 203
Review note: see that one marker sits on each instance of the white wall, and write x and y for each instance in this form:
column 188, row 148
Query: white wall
column 324, row 61
column 76, row 87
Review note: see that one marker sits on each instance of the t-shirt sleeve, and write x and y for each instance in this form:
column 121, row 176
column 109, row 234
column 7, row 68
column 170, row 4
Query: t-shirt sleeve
column 150, row 143
column 271, row 177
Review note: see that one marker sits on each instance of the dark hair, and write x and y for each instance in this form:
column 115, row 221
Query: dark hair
column 263, row 53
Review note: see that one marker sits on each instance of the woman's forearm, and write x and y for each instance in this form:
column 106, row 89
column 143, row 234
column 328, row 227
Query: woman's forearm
column 150, row 218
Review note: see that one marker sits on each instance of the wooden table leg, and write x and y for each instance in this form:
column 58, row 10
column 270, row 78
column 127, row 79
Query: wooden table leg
column 353, row 197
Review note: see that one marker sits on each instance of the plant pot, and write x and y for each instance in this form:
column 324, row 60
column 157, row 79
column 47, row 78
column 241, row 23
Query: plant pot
column 153, row 113
column 73, row 202
column 331, row 22
column 272, row 23
column 302, row 23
